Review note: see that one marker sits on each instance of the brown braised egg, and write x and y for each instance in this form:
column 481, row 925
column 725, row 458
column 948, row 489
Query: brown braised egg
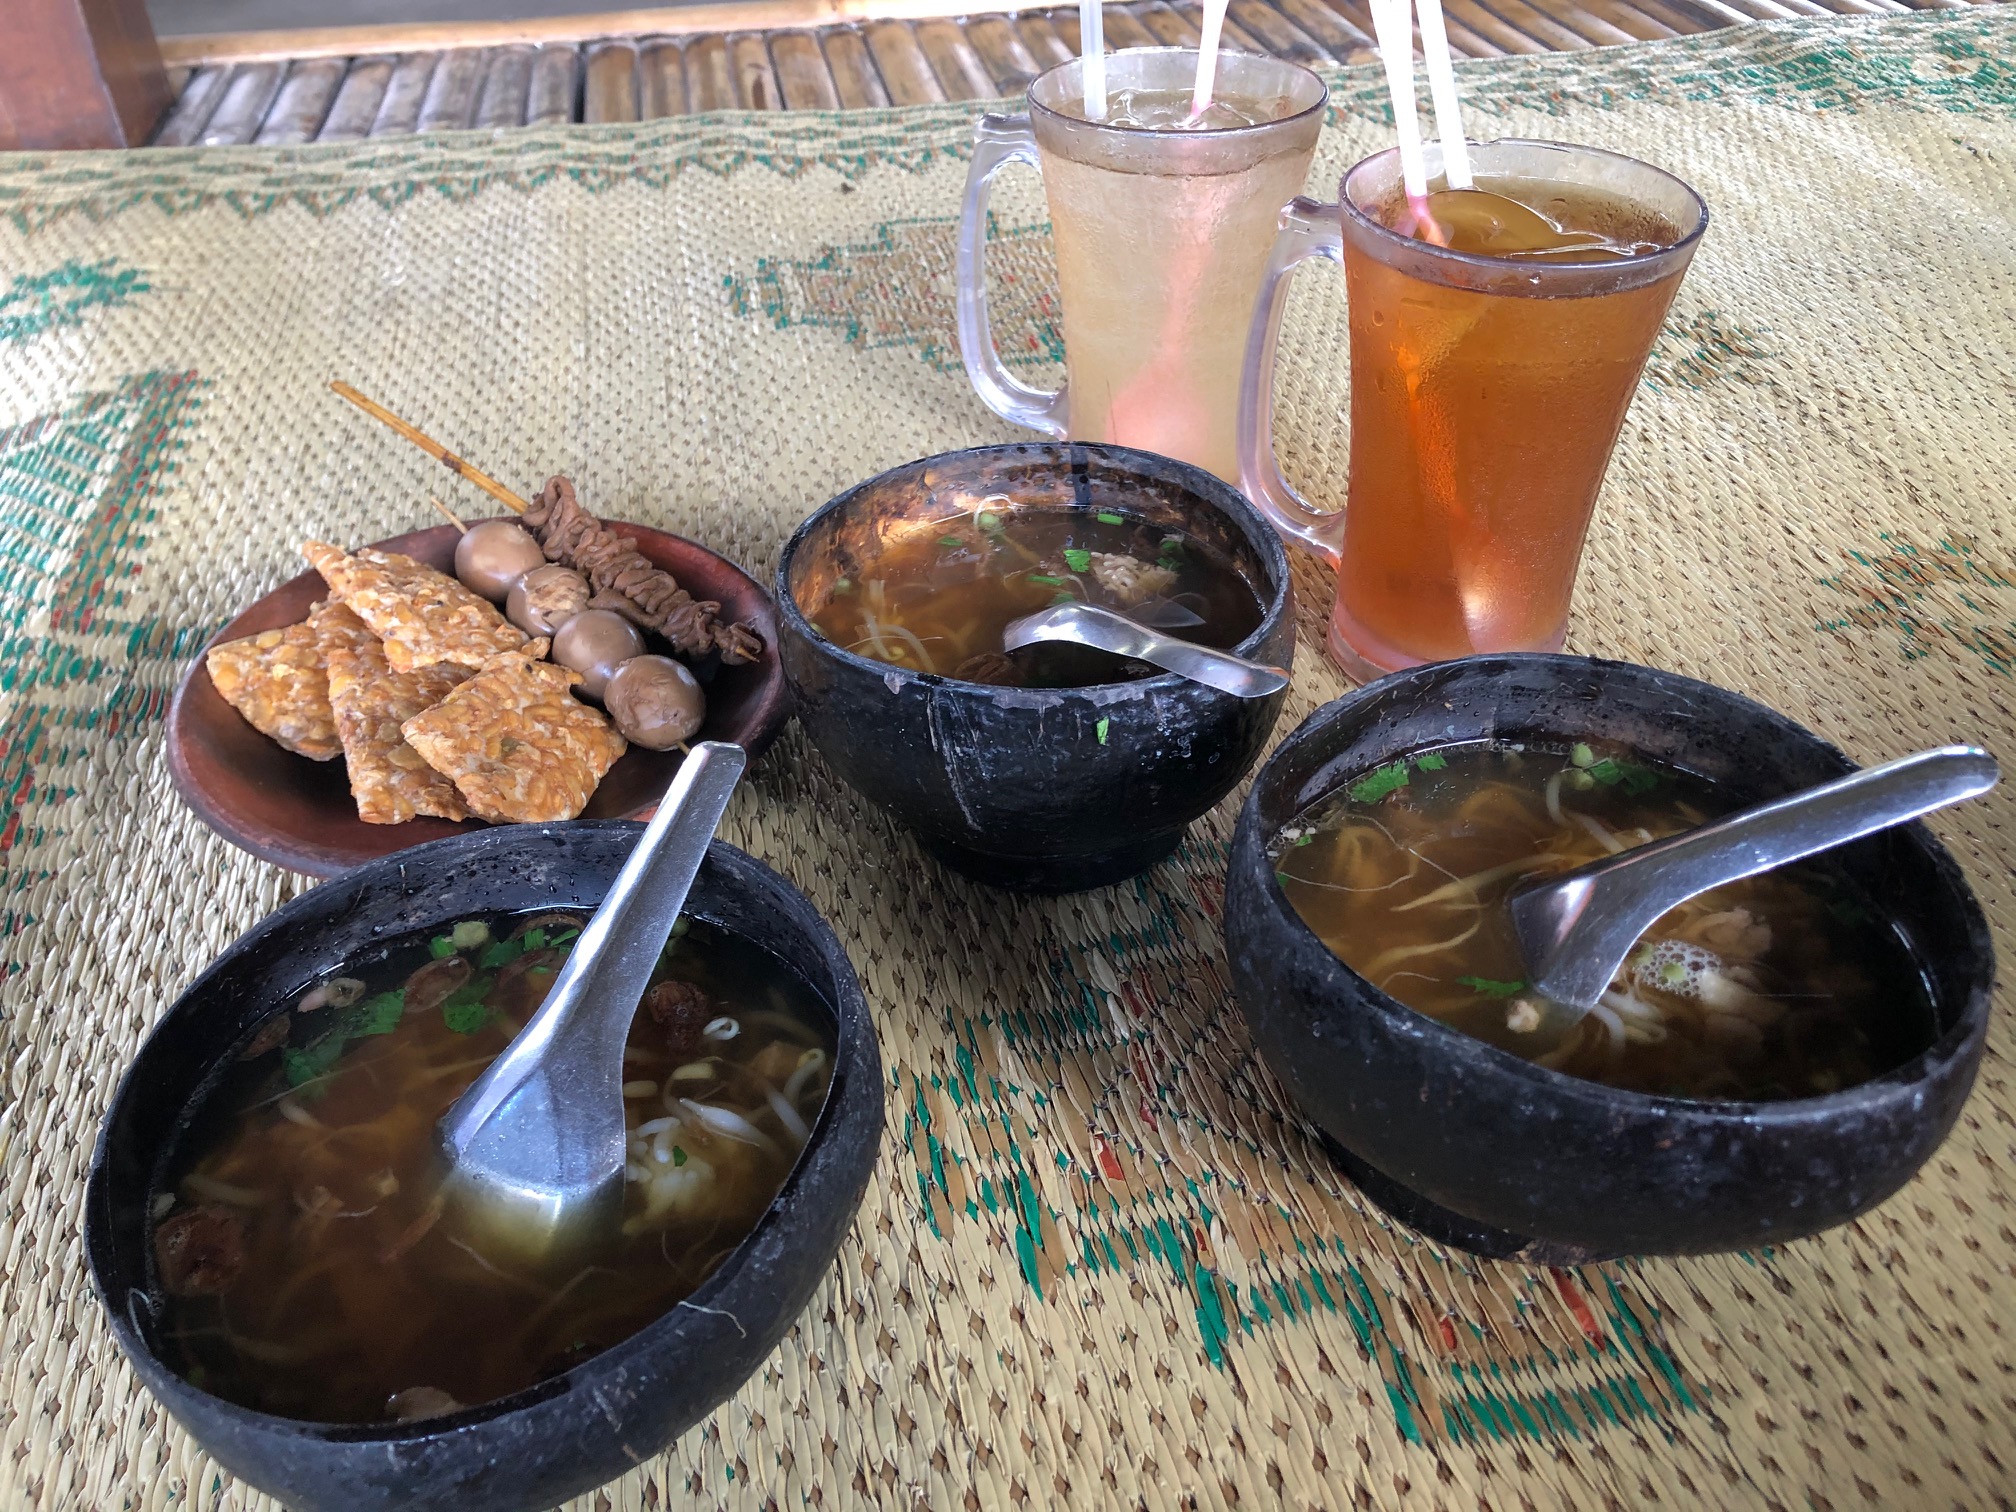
column 546, row 598
column 492, row 556
column 655, row 702
column 594, row 643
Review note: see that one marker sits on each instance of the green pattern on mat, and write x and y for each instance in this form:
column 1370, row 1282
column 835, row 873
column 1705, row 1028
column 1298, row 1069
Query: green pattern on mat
column 898, row 290
column 989, row 1132
column 77, row 490
column 35, row 303
column 1951, row 598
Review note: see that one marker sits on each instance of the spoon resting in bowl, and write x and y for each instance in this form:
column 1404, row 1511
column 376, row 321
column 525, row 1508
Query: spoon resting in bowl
column 535, row 1146
column 1085, row 624
column 1576, row 930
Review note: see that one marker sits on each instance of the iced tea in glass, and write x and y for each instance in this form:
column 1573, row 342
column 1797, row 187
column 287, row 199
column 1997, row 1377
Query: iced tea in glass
column 1162, row 226
column 1497, row 337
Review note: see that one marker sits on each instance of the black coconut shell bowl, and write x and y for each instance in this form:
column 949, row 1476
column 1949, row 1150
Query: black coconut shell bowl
column 566, row 1435
column 1480, row 1149
column 1036, row 789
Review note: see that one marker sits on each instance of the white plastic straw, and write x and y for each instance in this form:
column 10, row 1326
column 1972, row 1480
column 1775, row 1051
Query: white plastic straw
column 1442, row 89
column 1207, row 56
column 1092, row 49
column 1396, row 51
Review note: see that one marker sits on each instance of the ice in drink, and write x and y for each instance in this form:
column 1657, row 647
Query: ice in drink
column 1483, row 412
column 1158, row 262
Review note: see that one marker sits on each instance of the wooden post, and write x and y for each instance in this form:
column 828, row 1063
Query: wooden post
column 79, row 73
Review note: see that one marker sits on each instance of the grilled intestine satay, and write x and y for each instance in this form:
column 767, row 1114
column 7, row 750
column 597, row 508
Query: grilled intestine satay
column 627, row 583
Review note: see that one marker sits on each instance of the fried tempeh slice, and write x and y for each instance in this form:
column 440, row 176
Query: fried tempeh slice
column 390, row 780
column 520, row 746
column 334, row 625
column 278, row 681
column 422, row 615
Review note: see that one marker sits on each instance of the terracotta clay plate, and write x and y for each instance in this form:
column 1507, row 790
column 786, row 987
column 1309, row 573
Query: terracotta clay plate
column 297, row 813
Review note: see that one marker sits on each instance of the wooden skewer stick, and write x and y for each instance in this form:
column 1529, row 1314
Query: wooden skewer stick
column 452, row 517
column 433, row 448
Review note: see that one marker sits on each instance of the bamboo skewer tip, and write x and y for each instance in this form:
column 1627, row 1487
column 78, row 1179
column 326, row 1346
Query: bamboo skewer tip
column 429, row 445
column 452, row 517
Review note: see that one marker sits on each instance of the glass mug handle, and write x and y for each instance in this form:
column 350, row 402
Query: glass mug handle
column 1307, row 229
column 997, row 142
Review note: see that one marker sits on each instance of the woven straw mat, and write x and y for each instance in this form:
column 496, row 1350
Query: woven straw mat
column 1102, row 1263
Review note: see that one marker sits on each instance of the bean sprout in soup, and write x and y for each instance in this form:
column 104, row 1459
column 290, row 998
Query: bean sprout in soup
column 306, row 1262
column 1787, row 985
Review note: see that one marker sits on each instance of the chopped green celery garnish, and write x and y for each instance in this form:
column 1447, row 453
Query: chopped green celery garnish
column 1101, row 728
column 1388, row 779
column 440, row 947
column 1582, row 756
column 1634, row 779
column 1045, row 580
column 678, row 1156
column 501, row 953
column 376, row 1015
column 312, row 1060
column 1490, row 988
column 470, row 994
column 1077, row 560
column 989, row 520
column 465, row 1015
column 535, row 939
column 1434, row 761
column 1107, row 517
column 951, row 540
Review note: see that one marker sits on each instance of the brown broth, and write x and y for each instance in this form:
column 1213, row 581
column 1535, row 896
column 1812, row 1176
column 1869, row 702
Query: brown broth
column 1782, row 986
column 346, row 1295
column 938, row 600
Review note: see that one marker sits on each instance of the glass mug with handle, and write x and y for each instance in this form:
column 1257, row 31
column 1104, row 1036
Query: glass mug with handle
column 1489, row 381
column 1161, row 232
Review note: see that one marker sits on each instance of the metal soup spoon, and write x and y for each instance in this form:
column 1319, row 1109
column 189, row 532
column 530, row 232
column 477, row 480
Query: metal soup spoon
column 535, row 1146
column 1576, row 930
column 1082, row 624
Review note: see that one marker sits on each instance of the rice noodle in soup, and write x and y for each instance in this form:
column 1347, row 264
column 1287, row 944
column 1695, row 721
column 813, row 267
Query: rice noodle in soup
column 1785, row 985
column 307, row 1265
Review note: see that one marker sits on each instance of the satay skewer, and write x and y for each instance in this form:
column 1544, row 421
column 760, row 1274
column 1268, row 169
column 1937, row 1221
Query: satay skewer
column 432, row 447
column 651, row 596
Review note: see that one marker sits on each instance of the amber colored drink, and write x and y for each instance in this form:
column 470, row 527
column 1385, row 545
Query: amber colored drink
column 1497, row 337
column 1488, row 418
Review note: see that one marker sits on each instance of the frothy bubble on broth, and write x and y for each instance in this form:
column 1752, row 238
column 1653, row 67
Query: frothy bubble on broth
column 307, row 1265
column 1785, row 985
column 938, row 599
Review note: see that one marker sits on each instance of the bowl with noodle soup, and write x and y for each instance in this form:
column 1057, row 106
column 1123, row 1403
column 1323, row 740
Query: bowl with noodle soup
column 265, row 1223
column 1773, row 1058
column 1054, row 768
